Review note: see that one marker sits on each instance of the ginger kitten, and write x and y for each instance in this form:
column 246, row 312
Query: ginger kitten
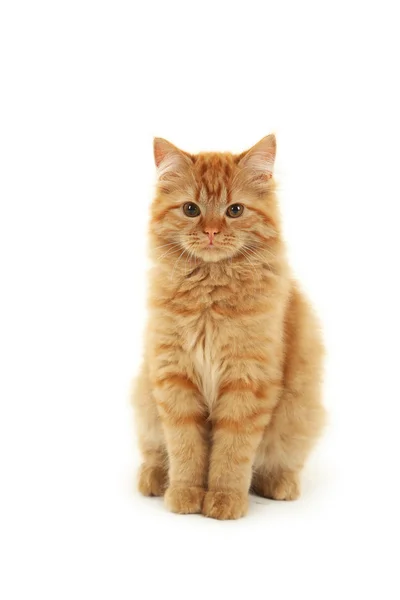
column 228, row 398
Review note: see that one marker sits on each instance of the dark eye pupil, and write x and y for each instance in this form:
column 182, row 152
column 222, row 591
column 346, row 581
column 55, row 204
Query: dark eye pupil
column 235, row 210
column 191, row 210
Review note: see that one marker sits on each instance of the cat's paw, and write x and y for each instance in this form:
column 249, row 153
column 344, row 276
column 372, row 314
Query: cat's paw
column 285, row 486
column 152, row 481
column 184, row 500
column 225, row 505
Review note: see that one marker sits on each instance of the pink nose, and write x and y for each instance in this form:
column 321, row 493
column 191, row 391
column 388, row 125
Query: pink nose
column 211, row 232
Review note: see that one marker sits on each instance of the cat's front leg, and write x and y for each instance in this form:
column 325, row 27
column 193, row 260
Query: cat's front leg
column 184, row 423
column 242, row 411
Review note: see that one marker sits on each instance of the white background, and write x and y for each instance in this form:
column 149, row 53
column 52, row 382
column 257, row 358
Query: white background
column 84, row 88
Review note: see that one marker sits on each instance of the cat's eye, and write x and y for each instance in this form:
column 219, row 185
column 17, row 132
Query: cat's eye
column 191, row 209
column 235, row 210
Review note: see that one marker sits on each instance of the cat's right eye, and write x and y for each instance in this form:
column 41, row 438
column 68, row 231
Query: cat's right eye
column 191, row 209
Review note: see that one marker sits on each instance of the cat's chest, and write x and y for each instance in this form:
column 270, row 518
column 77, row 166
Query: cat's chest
column 204, row 351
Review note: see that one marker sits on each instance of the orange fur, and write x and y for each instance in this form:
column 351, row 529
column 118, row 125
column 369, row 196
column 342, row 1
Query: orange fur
column 228, row 397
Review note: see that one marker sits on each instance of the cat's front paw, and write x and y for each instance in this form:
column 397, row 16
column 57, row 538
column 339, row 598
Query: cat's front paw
column 152, row 480
column 184, row 500
column 225, row 505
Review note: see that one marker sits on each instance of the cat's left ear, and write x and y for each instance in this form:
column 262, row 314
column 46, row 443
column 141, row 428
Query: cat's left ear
column 261, row 157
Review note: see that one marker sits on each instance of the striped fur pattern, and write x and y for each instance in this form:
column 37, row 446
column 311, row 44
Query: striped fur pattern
column 228, row 397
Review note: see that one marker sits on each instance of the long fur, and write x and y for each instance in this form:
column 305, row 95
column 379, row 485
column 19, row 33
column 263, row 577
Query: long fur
column 228, row 397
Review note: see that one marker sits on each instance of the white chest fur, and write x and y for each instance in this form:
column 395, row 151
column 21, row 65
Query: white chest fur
column 203, row 349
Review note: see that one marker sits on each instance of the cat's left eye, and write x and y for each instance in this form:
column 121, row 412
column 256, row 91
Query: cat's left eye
column 235, row 210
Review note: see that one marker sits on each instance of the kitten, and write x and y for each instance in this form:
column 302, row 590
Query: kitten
column 228, row 398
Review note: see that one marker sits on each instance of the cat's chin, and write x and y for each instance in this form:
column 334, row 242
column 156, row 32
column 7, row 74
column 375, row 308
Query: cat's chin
column 212, row 254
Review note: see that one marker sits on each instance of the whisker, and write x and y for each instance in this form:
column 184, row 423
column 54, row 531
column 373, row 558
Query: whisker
column 255, row 271
column 176, row 262
column 169, row 251
column 164, row 245
column 191, row 256
column 258, row 255
column 258, row 245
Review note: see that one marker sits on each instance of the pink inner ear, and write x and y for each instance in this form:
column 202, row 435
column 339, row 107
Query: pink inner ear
column 169, row 159
column 158, row 155
column 260, row 158
column 161, row 149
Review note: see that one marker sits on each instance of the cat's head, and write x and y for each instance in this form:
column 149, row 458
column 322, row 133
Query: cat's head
column 214, row 206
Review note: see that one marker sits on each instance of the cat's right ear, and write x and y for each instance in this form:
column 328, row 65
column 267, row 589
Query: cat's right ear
column 170, row 161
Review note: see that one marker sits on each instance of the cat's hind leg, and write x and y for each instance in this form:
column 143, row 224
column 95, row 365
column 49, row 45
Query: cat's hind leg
column 285, row 446
column 299, row 416
column 153, row 472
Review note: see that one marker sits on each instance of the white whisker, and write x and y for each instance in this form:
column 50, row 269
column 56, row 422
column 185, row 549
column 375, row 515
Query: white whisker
column 169, row 251
column 242, row 251
column 176, row 262
column 164, row 245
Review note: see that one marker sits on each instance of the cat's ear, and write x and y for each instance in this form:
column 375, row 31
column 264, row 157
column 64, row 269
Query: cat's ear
column 260, row 158
column 170, row 161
